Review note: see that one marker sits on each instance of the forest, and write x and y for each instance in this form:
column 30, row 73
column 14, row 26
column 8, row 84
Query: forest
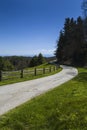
column 8, row 63
column 72, row 43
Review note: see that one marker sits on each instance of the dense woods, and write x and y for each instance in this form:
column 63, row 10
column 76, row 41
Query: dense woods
column 14, row 62
column 37, row 60
column 21, row 62
column 72, row 44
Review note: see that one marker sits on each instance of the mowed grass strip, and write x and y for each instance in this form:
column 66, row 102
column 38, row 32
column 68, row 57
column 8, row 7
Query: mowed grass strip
column 63, row 108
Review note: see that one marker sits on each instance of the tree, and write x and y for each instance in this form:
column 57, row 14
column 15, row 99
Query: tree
column 19, row 62
column 60, row 45
column 37, row 60
column 79, row 41
column 34, row 61
column 63, row 53
column 41, row 59
column 7, row 65
column 85, row 28
column 1, row 63
column 72, row 46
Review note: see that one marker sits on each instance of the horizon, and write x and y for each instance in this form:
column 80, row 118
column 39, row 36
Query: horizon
column 32, row 55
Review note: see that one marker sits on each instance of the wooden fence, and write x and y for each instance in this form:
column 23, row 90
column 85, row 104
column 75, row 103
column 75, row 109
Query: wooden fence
column 5, row 75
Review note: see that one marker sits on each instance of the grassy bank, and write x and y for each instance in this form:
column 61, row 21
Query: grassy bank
column 42, row 66
column 31, row 76
column 64, row 108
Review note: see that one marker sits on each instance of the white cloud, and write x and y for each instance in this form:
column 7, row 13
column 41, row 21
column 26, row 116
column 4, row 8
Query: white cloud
column 47, row 51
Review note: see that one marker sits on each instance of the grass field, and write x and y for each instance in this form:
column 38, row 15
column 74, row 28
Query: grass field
column 29, row 74
column 42, row 66
column 63, row 108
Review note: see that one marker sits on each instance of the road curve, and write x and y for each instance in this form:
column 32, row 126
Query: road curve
column 15, row 94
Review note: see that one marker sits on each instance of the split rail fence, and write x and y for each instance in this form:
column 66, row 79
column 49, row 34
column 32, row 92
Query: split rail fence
column 6, row 75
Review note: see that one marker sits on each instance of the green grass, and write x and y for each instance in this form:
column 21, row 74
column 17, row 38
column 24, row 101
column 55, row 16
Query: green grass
column 63, row 108
column 41, row 66
column 30, row 76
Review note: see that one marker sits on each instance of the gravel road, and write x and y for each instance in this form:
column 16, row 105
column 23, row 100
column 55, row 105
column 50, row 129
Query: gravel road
column 15, row 94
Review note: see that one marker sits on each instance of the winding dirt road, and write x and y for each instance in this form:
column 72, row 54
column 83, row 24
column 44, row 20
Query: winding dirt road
column 15, row 94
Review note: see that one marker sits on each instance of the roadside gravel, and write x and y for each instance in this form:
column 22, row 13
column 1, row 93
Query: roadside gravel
column 16, row 94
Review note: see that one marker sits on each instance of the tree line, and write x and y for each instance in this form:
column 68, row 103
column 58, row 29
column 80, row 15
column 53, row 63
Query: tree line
column 20, row 62
column 72, row 44
column 14, row 62
column 37, row 60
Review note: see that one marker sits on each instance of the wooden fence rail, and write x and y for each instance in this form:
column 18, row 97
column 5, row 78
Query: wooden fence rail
column 5, row 75
column 0, row 75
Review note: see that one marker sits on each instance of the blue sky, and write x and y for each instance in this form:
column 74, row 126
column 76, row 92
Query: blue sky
column 28, row 27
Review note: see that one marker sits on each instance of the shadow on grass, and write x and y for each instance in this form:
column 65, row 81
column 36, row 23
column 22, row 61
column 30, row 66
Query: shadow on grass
column 82, row 77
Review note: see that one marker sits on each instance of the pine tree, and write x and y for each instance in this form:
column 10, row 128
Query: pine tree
column 72, row 46
column 60, row 47
column 41, row 59
column 1, row 63
column 7, row 65
column 34, row 61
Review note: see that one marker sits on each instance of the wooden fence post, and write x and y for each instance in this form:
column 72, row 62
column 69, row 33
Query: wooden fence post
column 0, row 75
column 54, row 68
column 50, row 69
column 35, row 72
column 22, row 73
column 57, row 67
column 43, row 70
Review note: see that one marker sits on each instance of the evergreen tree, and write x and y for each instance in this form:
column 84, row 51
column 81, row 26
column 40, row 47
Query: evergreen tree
column 1, row 63
column 7, row 65
column 41, row 59
column 60, row 45
column 79, row 41
column 72, row 46
column 34, row 61
column 37, row 60
column 85, row 28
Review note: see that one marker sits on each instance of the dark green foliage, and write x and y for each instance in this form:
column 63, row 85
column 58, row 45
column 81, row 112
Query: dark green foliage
column 1, row 63
column 5, row 64
column 72, row 46
column 59, row 51
column 20, row 62
column 34, row 61
column 41, row 59
column 37, row 60
column 85, row 28
column 14, row 62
